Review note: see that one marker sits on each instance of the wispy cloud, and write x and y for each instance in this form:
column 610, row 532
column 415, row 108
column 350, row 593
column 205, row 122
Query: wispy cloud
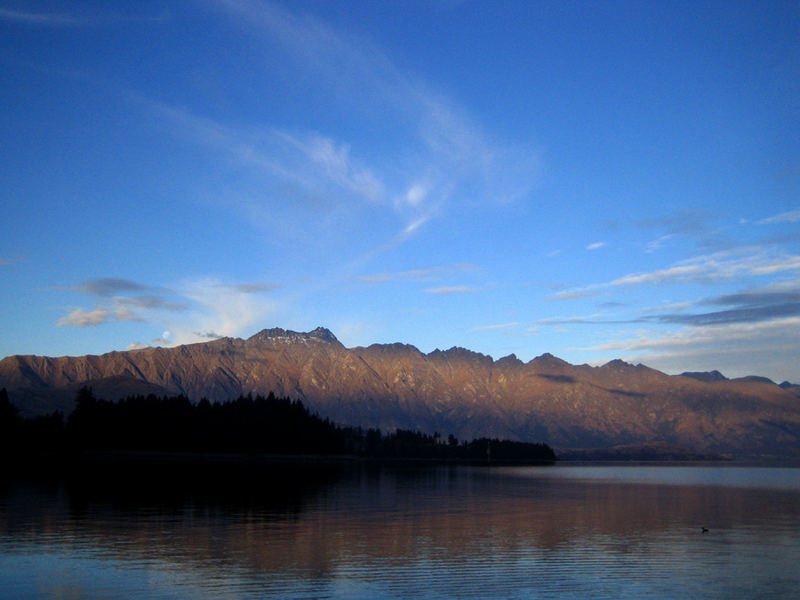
column 150, row 303
column 72, row 19
column 109, row 286
column 496, row 327
column 746, row 314
column 40, row 18
column 694, row 224
column 208, row 335
column 451, row 289
column 444, row 154
column 595, row 246
column 767, row 348
column 678, row 273
column 700, row 336
column 751, row 306
column 98, row 316
column 194, row 310
column 310, row 161
column 6, row 261
column 691, row 222
column 219, row 310
column 672, row 306
column 571, row 295
column 588, row 319
column 426, row 274
column 138, row 303
column 255, row 287
column 335, row 160
column 792, row 216
column 714, row 267
column 657, row 244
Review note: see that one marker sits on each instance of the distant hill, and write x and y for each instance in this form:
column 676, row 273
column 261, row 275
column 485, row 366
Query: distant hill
column 454, row 391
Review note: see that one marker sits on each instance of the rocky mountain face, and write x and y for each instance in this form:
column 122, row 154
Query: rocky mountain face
column 454, row 391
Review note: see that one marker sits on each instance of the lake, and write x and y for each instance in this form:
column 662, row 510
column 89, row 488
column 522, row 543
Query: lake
column 360, row 531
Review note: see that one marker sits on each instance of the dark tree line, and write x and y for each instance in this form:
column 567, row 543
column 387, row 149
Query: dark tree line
column 252, row 425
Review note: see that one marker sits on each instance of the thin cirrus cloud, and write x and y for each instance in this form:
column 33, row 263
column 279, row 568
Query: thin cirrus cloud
column 588, row 319
column 751, row 306
column 220, row 309
column 41, row 19
column 443, row 152
column 658, row 243
column 310, row 162
column 7, row 261
column 71, row 20
column 336, row 162
column 728, row 338
column 109, row 286
column 709, row 268
column 766, row 347
column 571, row 295
column 451, row 289
column 595, row 246
column 420, row 275
column 128, row 293
column 151, row 303
column 750, row 314
column 499, row 326
column 256, row 287
column 792, row 216
column 687, row 222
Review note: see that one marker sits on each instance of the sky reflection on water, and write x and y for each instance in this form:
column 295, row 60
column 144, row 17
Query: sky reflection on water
column 447, row 532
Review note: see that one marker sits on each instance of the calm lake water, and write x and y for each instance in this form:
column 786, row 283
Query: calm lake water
column 368, row 532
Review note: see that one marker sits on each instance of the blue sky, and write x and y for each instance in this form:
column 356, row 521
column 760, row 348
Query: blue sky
column 597, row 180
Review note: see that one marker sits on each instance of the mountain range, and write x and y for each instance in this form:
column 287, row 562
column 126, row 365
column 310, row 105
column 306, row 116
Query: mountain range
column 575, row 408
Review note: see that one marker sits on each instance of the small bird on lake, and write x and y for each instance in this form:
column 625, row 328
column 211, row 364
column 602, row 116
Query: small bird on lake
column 703, row 530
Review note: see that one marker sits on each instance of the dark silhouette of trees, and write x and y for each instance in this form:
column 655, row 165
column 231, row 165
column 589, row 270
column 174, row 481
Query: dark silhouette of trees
column 246, row 425
column 9, row 422
column 24, row 435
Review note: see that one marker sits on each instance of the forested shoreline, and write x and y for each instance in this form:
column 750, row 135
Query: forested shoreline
column 248, row 425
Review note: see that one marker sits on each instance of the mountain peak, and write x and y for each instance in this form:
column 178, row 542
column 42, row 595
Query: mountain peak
column 618, row 365
column 284, row 335
column 324, row 334
column 510, row 360
column 549, row 359
column 706, row 376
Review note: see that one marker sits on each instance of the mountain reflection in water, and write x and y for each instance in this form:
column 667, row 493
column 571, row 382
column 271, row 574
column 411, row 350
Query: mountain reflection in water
column 344, row 531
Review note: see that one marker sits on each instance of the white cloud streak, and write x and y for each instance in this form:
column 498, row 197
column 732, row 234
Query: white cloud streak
column 708, row 268
column 444, row 153
column 767, row 348
column 570, row 320
column 98, row 316
column 571, row 295
column 659, row 243
column 451, row 289
column 426, row 274
column 41, row 19
column 500, row 326
column 221, row 309
column 792, row 216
